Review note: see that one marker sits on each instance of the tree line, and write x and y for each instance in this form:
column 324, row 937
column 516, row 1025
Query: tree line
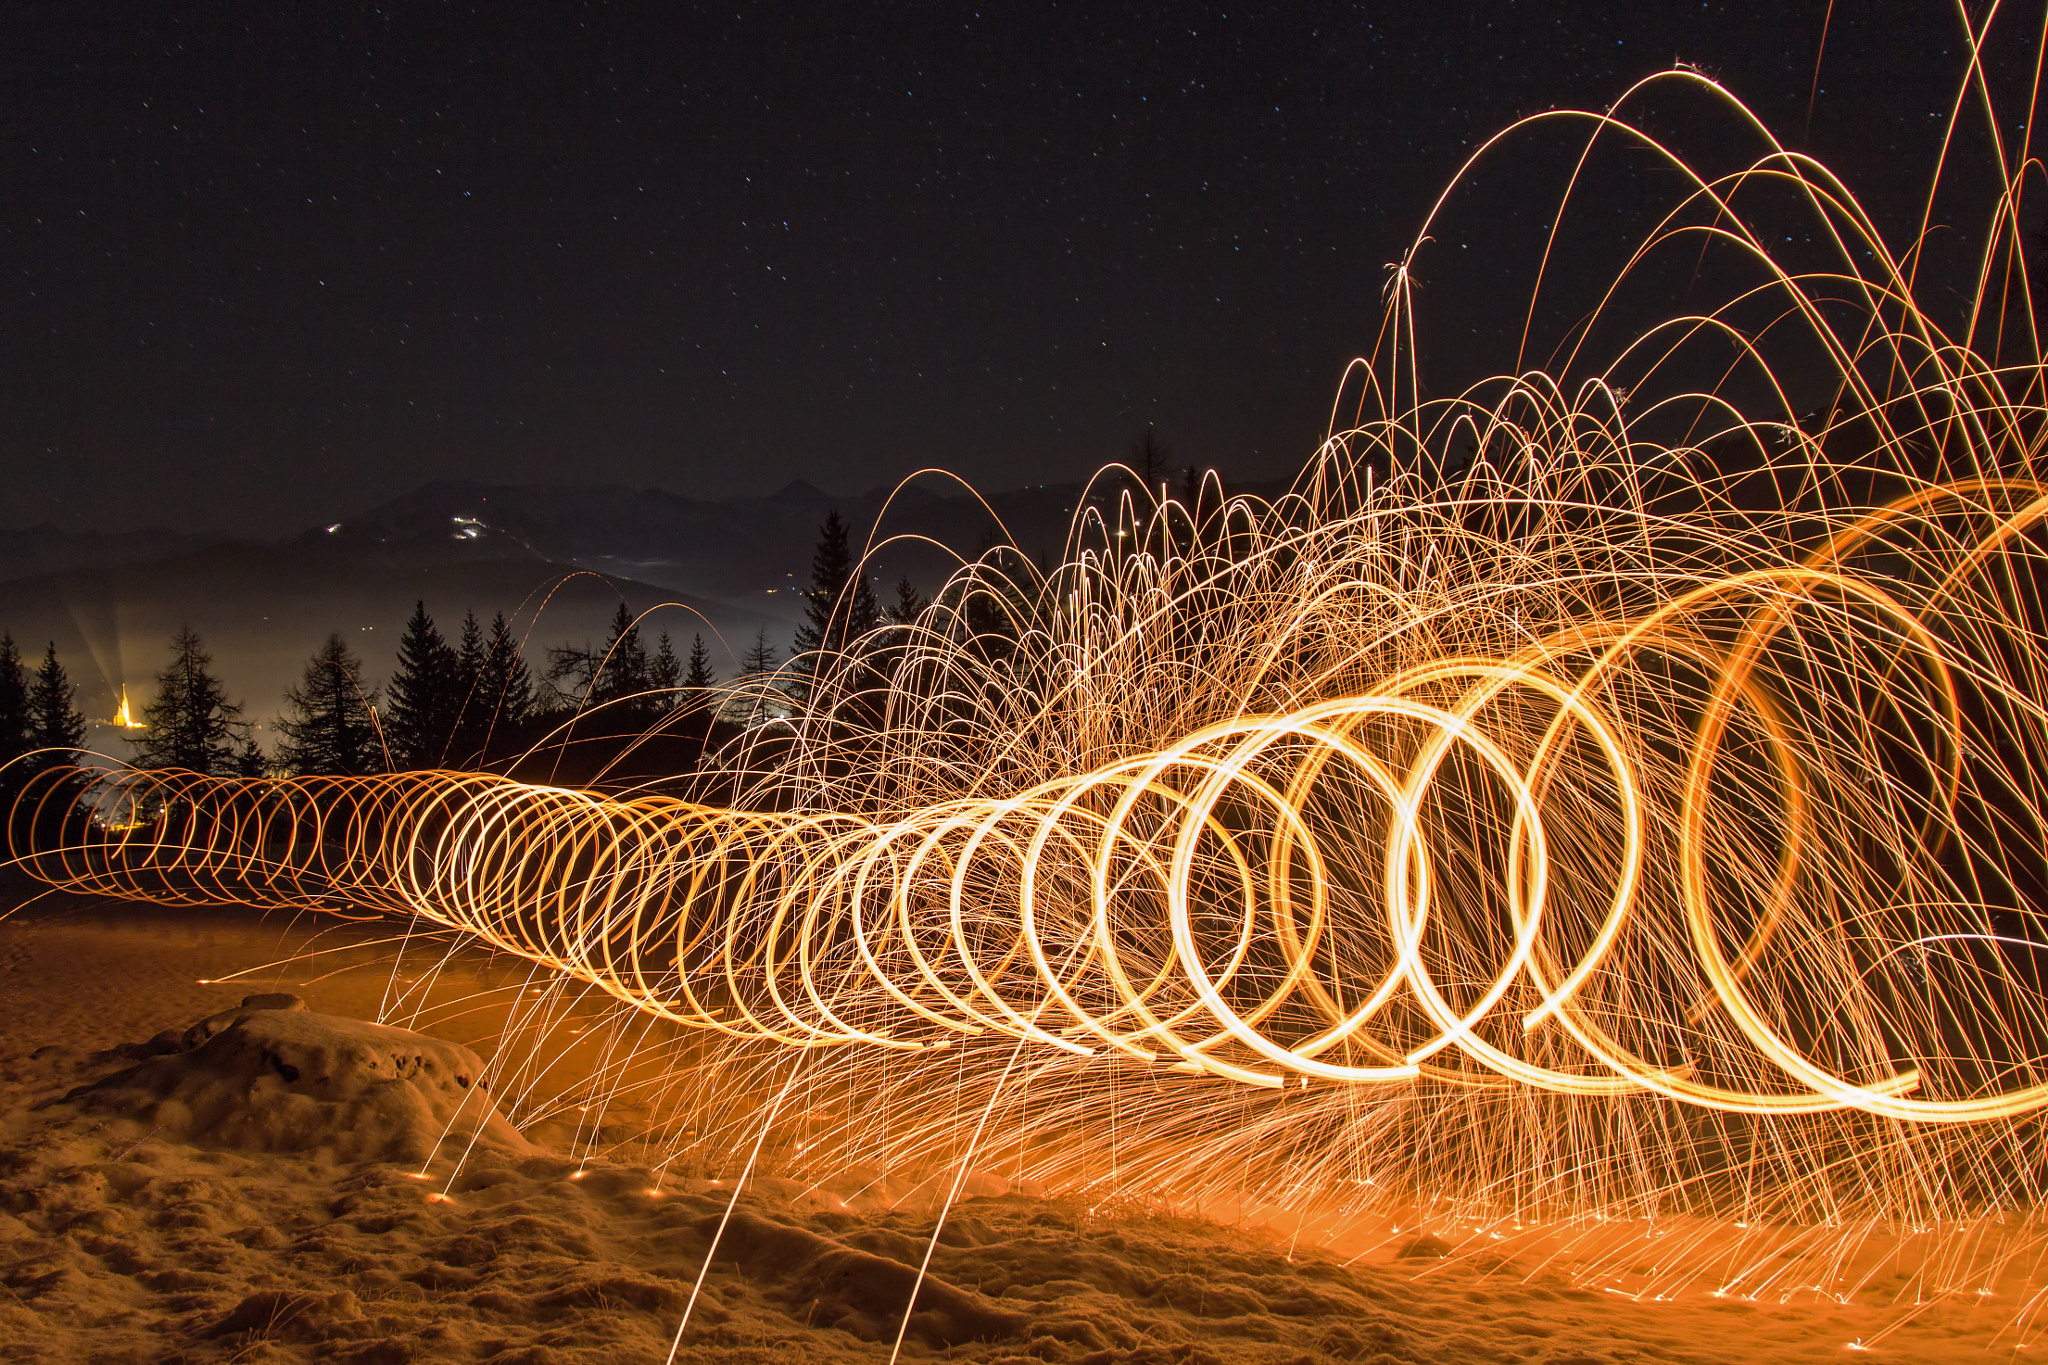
column 463, row 702
column 40, row 725
column 459, row 703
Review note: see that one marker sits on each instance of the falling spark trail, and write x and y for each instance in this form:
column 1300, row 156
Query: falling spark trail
column 1610, row 792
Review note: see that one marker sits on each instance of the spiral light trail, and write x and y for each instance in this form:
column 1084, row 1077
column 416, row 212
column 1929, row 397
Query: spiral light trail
column 1436, row 877
column 1628, row 779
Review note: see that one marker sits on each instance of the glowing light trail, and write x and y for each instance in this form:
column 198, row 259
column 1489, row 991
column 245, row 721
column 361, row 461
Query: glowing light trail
column 1360, row 891
column 1612, row 785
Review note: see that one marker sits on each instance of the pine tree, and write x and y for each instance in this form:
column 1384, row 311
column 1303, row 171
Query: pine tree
column 327, row 727
column 863, row 612
column 623, row 670
column 760, row 659
column 840, row 606
column 757, row 666
column 699, row 675
column 14, row 718
column 191, row 723
column 908, row 605
column 56, row 727
column 249, row 759
column 506, row 686
column 423, row 701
column 831, row 566
column 665, row 676
column 1148, row 461
column 472, row 709
column 45, row 725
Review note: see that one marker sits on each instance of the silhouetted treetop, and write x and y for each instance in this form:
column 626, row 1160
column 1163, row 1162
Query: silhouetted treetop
column 190, row 723
column 327, row 726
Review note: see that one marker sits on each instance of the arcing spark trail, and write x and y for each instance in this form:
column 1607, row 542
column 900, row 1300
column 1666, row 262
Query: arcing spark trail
column 1487, row 871
column 1637, row 771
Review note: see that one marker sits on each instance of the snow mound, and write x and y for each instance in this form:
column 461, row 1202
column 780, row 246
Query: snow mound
column 272, row 1076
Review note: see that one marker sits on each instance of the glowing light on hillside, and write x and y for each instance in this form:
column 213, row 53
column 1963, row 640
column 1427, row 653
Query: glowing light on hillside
column 123, row 717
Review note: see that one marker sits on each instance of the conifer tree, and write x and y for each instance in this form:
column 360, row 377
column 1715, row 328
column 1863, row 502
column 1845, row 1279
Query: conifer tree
column 623, row 670
column 472, row 725
column 14, row 719
column 863, row 612
column 56, row 727
column 327, row 727
column 760, row 659
column 1149, row 456
column 507, row 684
column 840, row 606
column 665, row 676
column 699, row 675
column 469, row 653
column 249, row 759
column 908, row 605
column 423, row 701
column 757, row 666
column 694, row 696
column 191, row 723
column 44, row 724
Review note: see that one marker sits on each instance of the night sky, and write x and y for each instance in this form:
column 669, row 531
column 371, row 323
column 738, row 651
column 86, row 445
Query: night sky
column 268, row 265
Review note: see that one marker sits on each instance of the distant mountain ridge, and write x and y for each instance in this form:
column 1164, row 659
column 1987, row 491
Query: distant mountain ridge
column 737, row 547
column 47, row 549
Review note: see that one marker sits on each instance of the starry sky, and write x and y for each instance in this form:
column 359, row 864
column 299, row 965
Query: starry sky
column 264, row 266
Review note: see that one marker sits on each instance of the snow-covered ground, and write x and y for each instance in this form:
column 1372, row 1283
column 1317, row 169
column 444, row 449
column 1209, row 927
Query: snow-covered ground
column 282, row 1184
